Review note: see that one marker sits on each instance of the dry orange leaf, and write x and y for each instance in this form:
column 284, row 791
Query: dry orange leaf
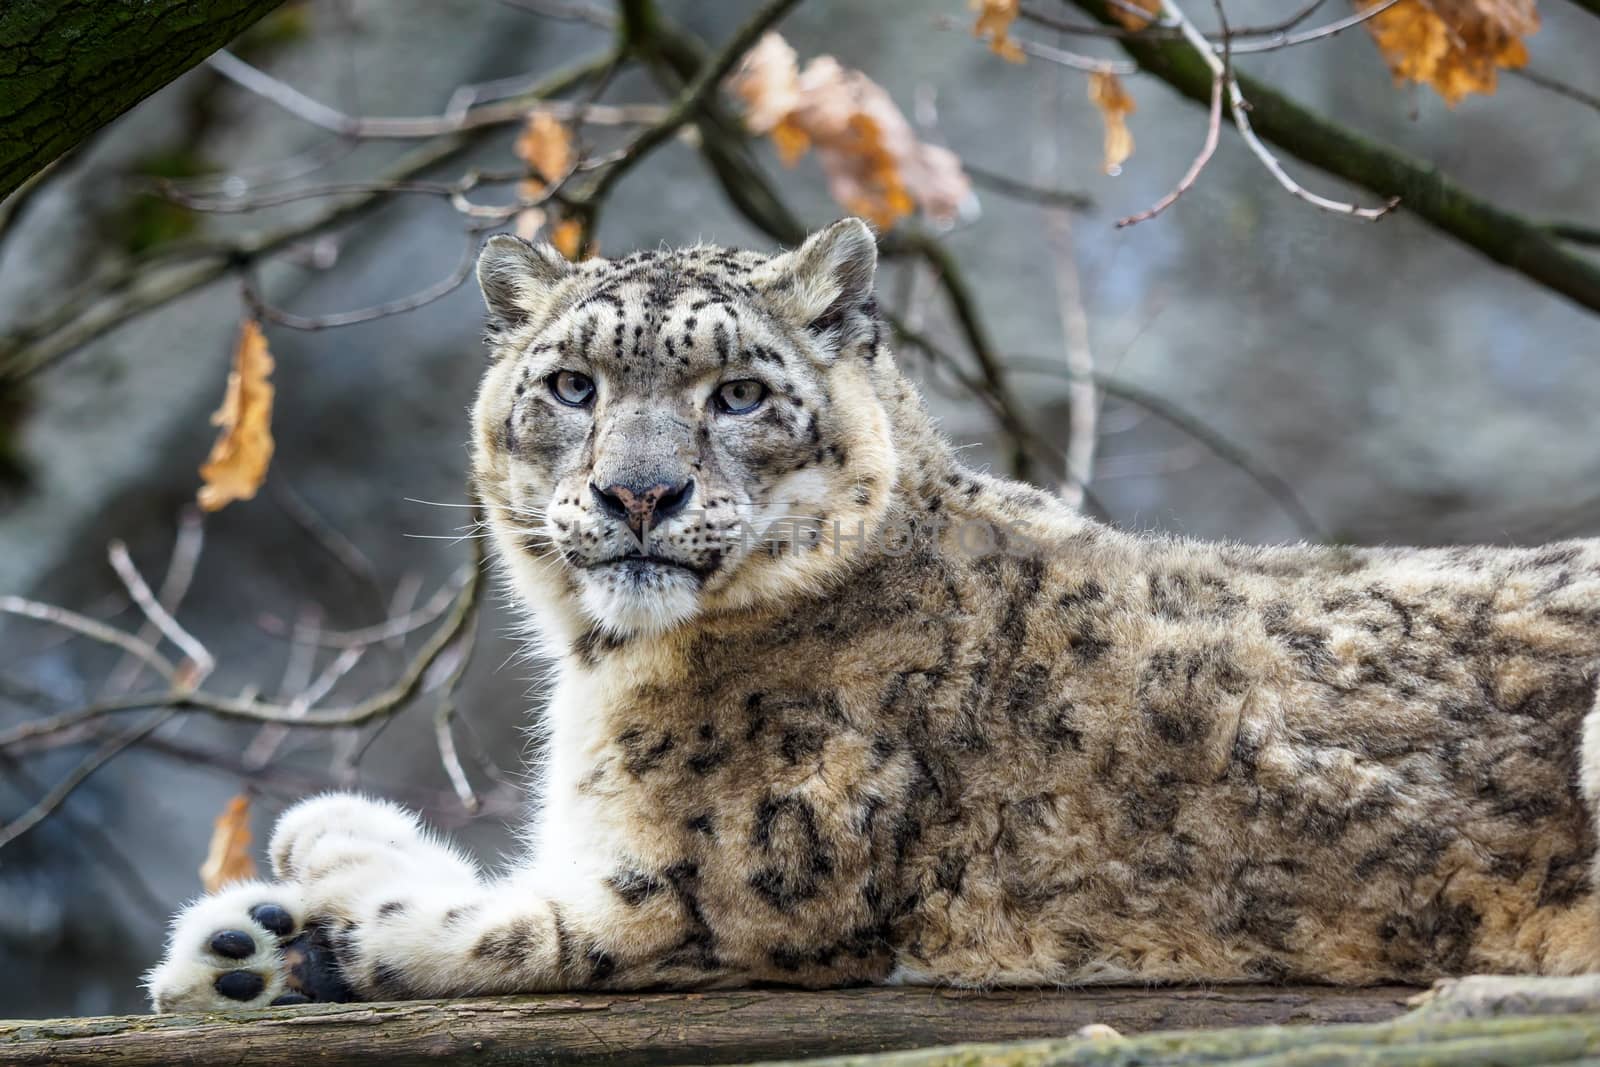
column 1131, row 19
column 545, row 146
column 565, row 235
column 1456, row 46
column 1107, row 94
column 875, row 165
column 238, row 462
column 228, row 856
column 994, row 22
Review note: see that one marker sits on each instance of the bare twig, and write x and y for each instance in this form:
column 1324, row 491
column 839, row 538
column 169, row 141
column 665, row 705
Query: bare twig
column 1213, row 130
column 63, row 789
column 271, row 736
column 96, row 844
column 570, row 10
column 1029, row 446
column 92, row 629
column 1158, row 31
column 1083, row 403
column 1076, row 60
column 379, row 705
column 965, row 305
column 423, row 297
column 515, row 108
column 186, row 548
column 444, row 715
column 1065, row 199
column 12, row 204
column 297, row 668
column 1269, row 482
column 1241, row 120
column 396, row 626
column 200, row 659
column 329, row 539
column 1240, row 41
column 1555, row 85
column 292, row 781
column 1274, row 42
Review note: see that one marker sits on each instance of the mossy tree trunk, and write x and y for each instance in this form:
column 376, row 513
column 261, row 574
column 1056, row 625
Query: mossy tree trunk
column 68, row 67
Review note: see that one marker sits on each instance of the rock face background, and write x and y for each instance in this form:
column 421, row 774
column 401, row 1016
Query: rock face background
column 1408, row 389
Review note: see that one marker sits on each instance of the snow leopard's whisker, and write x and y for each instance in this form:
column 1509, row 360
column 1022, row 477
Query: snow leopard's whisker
column 515, row 509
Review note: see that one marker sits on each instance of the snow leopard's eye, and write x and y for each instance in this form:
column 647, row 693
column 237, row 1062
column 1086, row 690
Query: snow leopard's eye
column 740, row 397
column 571, row 388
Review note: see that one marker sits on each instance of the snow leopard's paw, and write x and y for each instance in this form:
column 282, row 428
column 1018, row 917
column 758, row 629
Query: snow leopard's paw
column 248, row 946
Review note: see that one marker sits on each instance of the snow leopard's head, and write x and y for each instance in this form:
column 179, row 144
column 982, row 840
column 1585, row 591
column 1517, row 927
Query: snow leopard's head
column 681, row 432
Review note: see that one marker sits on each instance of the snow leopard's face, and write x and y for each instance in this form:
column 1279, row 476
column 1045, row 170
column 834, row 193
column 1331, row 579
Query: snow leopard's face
column 680, row 431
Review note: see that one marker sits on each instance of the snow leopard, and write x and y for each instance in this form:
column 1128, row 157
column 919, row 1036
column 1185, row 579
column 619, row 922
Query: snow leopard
column 832, row 707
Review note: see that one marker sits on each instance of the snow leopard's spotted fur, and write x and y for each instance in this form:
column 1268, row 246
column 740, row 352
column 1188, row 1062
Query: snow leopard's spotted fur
column 1060, row 754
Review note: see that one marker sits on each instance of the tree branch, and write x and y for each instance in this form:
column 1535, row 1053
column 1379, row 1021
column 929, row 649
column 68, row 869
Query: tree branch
column 68, row 69
column 414, row 680
column 144, row 284
column 964, row 303
column 108, row 750
column 639, row 29
column 1575, row 232
column 1511, row 240
column 1008, row 186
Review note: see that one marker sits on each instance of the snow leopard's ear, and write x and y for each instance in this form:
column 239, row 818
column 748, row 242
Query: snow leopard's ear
column 825, row 285
column 517, row 279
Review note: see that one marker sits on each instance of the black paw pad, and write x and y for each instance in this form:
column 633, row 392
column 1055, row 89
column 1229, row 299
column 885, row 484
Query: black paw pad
column 313, row 967
column 273, row 918
column 291, row 998
column 234, row 944
column 240, row 985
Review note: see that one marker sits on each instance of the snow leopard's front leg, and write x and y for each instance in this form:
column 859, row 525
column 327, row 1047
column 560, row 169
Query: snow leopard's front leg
column 336, row 859
column 535, row 931
column 398, row 915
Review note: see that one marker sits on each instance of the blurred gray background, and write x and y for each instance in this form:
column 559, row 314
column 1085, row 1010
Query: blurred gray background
column 1408, row 389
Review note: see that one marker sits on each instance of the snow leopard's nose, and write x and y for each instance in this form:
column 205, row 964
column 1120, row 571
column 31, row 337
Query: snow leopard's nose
column 643, row 506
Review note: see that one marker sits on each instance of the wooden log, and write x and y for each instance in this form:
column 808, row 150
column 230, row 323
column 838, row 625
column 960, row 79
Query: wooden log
column 666, row 1028
column 1531, row 1041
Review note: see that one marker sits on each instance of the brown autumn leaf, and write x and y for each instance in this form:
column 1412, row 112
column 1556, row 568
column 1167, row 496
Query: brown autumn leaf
column 994, row 22
column 228, row 856
column 1131, row 20
column 1456, row 46
column 874, row 162
column 1107, row 93
column 545, row 145
column 238, row 462
column 565, row 235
